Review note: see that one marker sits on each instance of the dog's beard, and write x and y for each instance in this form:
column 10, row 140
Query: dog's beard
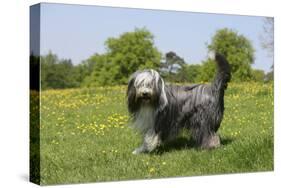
column 146, row 100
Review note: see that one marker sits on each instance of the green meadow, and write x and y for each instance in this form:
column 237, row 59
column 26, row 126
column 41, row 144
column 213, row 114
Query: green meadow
column 85, row 137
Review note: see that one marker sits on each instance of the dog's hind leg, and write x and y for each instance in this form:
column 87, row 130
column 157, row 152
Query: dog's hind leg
column 210, row 141
column 205, row 137
column 150, row 142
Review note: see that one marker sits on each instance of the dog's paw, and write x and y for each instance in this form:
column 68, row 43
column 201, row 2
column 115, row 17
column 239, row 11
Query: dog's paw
column 135, row 152
column 138, row 151
column 212, row 142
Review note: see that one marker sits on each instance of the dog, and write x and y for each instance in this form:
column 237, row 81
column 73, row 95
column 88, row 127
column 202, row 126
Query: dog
column 161, row 111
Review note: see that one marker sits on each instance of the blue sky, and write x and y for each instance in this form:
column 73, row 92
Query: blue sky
column 76, row 32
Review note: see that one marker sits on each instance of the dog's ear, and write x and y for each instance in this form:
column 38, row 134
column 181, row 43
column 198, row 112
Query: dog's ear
column 163, row 101
column 131, row 94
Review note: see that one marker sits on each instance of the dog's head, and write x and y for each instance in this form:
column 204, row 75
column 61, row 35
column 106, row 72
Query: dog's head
column 146, row 88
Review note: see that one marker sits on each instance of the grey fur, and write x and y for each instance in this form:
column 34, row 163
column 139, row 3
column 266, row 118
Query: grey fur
column 160, row 111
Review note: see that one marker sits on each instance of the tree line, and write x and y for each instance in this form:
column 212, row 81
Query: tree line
column 133, row 51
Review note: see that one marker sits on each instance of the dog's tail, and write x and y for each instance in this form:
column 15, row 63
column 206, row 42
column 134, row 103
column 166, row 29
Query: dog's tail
column 223, row 74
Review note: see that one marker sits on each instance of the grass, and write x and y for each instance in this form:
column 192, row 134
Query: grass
column 84, row 137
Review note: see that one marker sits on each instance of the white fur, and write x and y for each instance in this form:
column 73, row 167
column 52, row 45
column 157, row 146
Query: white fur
column 144, row 123
column 163, row 94
column 143, row 79
column 144, row 119
column 151, row 141
column 145, row 82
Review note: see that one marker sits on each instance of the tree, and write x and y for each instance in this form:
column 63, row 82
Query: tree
column 207, row 71
column 56, row 73
column 267, row 42
column 173, row 67
column 47, row 69
column 101, row 73
column 258, row 75
column 81, row 71
column 237, row 49
column 267, row 39
column 172, row 62
column 269, row 77
column 192, row 72
column 188, row 73
column 124, row 55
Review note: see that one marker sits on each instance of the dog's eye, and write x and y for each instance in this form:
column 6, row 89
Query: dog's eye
column 148, row 85
column 139, row 86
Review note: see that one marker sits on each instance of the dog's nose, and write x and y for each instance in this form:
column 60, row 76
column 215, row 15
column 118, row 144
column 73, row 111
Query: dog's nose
column 145, row 94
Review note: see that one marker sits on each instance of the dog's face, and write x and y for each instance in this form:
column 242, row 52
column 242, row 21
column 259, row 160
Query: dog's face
column 146, row 85
column 146, row 88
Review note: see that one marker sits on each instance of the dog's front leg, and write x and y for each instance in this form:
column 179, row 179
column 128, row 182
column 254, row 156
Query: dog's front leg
column 150, row 142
